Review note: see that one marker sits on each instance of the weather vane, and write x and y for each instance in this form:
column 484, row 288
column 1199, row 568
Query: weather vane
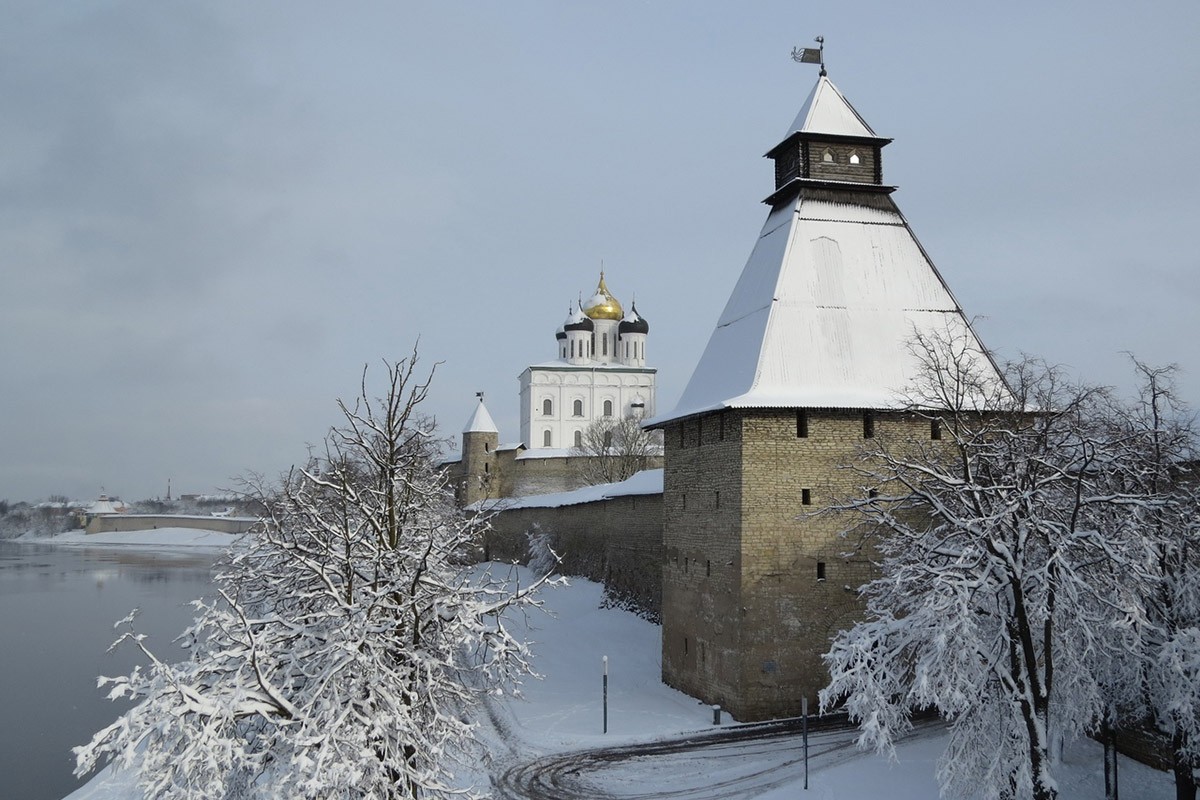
column 811, row 55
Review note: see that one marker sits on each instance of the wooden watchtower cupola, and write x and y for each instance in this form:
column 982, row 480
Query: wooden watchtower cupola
column 829, row 145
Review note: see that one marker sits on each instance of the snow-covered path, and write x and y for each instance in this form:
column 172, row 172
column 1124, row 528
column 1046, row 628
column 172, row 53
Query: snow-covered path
column 736, row 763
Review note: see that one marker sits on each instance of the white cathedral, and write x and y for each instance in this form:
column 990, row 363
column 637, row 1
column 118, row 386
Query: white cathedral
column 599, row 372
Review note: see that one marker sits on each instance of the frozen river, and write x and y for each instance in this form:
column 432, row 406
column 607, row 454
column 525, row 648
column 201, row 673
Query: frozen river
column 57, row 609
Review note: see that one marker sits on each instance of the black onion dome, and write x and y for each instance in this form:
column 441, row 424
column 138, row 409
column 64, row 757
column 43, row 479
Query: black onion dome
column 578, row 321
column 634, row 323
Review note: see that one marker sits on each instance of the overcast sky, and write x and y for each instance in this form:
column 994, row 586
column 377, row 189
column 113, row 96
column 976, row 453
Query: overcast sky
column 213, row 214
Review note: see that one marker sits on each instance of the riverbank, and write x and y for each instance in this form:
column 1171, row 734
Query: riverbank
column 191, row 539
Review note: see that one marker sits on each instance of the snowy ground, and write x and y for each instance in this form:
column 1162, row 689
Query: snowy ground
column 562, row 714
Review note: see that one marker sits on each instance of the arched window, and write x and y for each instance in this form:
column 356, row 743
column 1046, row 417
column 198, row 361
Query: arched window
column 608, row 439
column 545, row 438
column 577, row 408
column 827, row 156
column 608, row 408
column 604, row 345
column 579, row 438
column 572, row 348
column 547, row 407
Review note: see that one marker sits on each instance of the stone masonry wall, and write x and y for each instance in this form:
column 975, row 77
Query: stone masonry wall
column 750, row 635
column 617, row 542
column 702, row 505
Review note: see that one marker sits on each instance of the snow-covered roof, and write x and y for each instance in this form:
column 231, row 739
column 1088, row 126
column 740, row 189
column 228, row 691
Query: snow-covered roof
column 827, row 111
column 509, row 446
column 545, row 452
column 648, row 481
column 587, row 365
column 823, row 313
column 481, row 421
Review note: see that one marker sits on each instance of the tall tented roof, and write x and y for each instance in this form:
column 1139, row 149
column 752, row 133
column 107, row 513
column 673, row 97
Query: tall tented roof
column 827, row 111
column 481, row 421
column 823, row 313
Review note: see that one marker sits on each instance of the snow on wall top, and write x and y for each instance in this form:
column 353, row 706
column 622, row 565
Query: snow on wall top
column 648, row 481
column 481, row 421
column 827, row 111
column 822, row 314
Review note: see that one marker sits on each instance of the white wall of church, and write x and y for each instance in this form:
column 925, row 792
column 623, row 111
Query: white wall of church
column 577, row 398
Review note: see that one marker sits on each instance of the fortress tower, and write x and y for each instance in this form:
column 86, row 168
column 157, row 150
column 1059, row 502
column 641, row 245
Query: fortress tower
column 806, row 361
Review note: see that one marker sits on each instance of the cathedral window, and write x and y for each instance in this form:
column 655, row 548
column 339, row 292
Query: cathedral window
column 608, row 408
column 604, row 345
column 545, row 438
column 547, row 407
column 579, row 438
column 607, row 439
column 577, row 408
column 572, row 348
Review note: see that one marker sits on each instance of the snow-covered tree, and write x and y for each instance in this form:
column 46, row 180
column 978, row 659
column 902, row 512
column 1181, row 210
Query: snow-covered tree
column 1159, row 466
column 613, row 449
column 1001, row 558
column 347, row 643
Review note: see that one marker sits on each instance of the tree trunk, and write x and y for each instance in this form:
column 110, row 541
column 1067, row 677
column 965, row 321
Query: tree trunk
column 1185, row 777
column 1109, row 739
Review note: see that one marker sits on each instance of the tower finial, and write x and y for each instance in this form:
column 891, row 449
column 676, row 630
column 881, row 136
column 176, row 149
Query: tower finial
column 811, row 55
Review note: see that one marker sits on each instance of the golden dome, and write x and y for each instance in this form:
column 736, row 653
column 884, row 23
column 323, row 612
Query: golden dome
column 602, row 305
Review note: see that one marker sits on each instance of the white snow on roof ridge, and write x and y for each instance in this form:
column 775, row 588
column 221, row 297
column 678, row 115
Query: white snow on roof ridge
column 822, row 314
column 646, row 482
column 481, row 421
column 828, row 111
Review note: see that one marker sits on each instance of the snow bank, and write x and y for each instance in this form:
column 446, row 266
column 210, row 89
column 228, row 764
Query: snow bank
column 192, row 539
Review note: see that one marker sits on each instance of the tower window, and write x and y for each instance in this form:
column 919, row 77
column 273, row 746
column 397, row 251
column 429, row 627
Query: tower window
column 579, row 438
column 806, row 497
column 487, row 467
column 801, row 423
column 935, row 429
column 608, row 408
column 547, row 407
column 827, row 156
column 854, row 158
column 868, row 425
column 820, row 570
column 577, row 408
column 604, row 345
column 487, row 447
column 545, row 438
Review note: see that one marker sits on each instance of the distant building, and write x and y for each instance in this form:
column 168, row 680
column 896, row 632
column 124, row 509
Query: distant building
column 599, row 371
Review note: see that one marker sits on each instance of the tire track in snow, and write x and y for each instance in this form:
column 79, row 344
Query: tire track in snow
column 731, row 764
